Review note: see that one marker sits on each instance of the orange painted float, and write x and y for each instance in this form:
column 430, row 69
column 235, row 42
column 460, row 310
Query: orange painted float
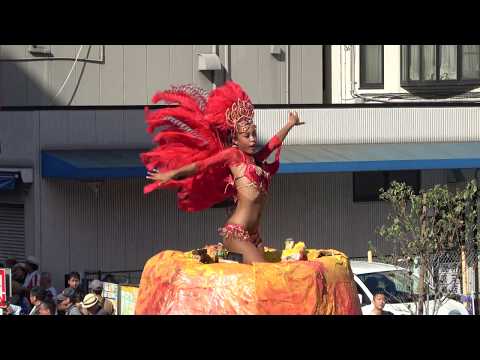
column 175, row 283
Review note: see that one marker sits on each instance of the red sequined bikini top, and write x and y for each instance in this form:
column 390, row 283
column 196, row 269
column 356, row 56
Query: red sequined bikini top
column 256, row 169
column 259, row 175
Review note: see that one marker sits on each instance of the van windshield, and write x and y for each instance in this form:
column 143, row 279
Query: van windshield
column 399, row 286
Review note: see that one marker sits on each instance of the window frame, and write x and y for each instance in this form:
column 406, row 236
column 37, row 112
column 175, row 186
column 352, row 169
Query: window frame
column 436, row 84
column 367, row 86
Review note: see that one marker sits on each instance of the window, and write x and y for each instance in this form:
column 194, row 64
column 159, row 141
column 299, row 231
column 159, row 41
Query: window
column 470, row 62
column 399, row 286
column 371, row 66
column 366, row 185
column 440, row 66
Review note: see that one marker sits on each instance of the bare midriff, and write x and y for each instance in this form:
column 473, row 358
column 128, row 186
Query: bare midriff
column 250, row 202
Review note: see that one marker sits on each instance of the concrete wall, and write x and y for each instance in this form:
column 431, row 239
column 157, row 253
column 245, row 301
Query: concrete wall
column 130, row 74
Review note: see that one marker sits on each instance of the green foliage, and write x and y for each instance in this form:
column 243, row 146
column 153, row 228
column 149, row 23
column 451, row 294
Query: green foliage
column 422, row 227
column 434, row 220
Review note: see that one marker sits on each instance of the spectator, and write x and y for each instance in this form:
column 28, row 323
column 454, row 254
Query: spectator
column 10, row 263
column 96, row 287
column 74, row 283
column 91, row 305
column 46, row 283
column 19, row 293
column 47, row 307
column 37, row 295
column 11, row 309
column 378, row 303
column 33, row 276
column 66, row 302
column 19, row 272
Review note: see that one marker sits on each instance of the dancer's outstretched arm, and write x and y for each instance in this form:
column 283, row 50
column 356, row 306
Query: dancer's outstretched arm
column 276, row 141
column 228, row 157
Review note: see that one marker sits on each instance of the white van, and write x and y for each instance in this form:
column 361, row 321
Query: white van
column 395, row 281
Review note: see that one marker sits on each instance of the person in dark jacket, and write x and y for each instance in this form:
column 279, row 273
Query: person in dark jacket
column 66, row 302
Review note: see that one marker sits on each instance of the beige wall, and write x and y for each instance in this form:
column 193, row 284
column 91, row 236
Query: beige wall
column 131, row 74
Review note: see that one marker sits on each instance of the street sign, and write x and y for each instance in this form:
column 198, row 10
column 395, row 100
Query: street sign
column 128, row 299
column 3, row 287
column 111, row 292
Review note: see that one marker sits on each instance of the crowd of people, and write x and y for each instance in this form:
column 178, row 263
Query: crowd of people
column 33, row 293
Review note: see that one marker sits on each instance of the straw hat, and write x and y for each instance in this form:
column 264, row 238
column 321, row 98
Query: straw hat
column 89, row 300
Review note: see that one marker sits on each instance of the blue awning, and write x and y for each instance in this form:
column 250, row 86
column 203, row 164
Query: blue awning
column 8, row 181
column 379, row 157
column 98, row 164
column 92, row 164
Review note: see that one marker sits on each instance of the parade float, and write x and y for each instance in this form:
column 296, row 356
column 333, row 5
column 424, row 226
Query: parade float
column 210, row 281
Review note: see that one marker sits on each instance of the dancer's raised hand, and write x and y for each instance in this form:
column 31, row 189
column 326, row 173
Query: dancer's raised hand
column 293, row 119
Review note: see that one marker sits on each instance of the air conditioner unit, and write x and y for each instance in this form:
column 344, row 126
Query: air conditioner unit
column 39, row 50
column 209, row 62
column 275, row 49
